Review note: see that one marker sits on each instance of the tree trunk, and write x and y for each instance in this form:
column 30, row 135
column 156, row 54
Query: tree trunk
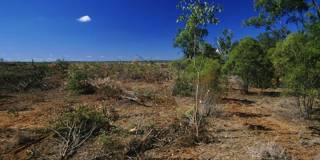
column 245, row 88
column 278, row 82
column 196, row 110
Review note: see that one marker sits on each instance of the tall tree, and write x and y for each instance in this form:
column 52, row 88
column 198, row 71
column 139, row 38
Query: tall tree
column 272, row 13
column 224, row 43
column 250, row 62
column 298, row 57
column 209, row 51
column 188, row 42
column 269, row 39
column 197, row 14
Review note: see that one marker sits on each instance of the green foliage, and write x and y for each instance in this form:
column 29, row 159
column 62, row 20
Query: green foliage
column 196, row 14
column 248, row 61
column 62, row 66
column 139, row 71
column 224, row 43
column 191, row 41
column 78, row 82
column 23, row 76
column 183, row 87
column 209, row 75
column 273, row 11
column 82, row 116
column 188, row 38
column 298, row 59
column 178, row 66
column 209, row 71
column 208, row 51
column 136, row 71
column 269, row 39
column 201, row 12
column 13, row 112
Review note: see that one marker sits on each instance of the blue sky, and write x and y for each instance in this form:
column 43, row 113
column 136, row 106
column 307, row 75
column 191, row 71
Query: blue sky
column 45, row 30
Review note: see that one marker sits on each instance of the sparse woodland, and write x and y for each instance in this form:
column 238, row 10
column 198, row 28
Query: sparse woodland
column 253, row 98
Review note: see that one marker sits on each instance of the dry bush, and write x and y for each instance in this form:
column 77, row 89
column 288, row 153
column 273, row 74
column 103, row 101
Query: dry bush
column 107, row 87
column 156, row 73
column 20, row 139
column 201, row 78
column 317, row 157
column 148, row 136
column 138, row 71
column 74, row 128
column 139, row 145
column 209, row 105
column 13, row 112
column 117, row 144
column 269, row 151
column 23, row 76
column 110, row 113
column 120, row 145
column 113, row 147
column 179, row 133
column 24, row 137
column 61, row 66
column 159, row 97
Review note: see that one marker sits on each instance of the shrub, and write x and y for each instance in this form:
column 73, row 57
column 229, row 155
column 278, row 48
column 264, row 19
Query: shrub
column 13, row 112
column 251, row 63
column 205, row 73
column 137, row 71
column 298, row 56
column 23, row 76
column 182, row 87
column 78, row 82
column 83, row 115
column 75, row 127
column 179, row 66
column 269, row 151
column 107, row 87
column 62, row 66
column 111, row 114
column 210, row 77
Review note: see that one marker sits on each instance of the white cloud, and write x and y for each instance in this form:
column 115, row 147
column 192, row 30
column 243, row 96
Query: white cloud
column 84, row 19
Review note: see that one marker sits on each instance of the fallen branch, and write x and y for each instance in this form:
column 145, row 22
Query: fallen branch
column 17, row 150
column 72, row 139
column 131, row 96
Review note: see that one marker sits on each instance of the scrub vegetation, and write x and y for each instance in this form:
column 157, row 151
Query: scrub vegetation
column 254, row 98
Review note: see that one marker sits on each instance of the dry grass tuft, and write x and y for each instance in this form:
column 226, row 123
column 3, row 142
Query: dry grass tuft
column 269, row 151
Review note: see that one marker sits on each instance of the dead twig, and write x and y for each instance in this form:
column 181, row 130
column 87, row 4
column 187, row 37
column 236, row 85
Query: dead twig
column 73, row 138
column 131, row 96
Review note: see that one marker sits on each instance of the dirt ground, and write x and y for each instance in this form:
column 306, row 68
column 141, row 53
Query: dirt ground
column 244, row 124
